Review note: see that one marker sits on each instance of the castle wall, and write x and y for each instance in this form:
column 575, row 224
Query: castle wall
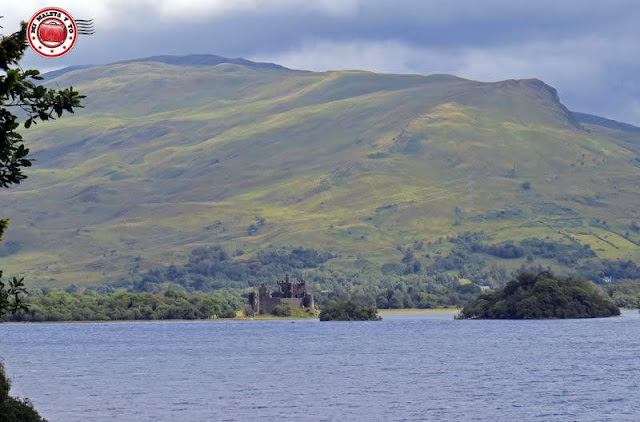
column 308, row 302
column 254, row 302
column 263, row 301
column 267, row 304
column 293, row 302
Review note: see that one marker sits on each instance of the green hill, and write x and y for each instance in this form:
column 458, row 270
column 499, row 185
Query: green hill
column 391, row 174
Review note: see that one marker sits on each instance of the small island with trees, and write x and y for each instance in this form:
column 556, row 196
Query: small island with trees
column 542, row 296
column 349, row 311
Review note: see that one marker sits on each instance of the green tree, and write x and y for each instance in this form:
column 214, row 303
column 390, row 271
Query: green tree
column 11, row 295
column 282, row 310
column 13, row 409
column 349, row 311
column 542, row 296
column 20, row 92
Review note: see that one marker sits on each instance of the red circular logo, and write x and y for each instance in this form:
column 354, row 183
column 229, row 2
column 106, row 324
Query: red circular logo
column 52, row 32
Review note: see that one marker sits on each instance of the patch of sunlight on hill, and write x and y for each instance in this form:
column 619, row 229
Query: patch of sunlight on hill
column 166, row 158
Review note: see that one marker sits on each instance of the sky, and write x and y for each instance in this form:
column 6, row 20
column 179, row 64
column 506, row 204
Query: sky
column 588, row 50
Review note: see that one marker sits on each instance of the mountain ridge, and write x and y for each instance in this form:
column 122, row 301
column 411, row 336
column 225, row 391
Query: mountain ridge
column 203, row 60
column 605, row 122
column 213, row 60
column 168, row 158
column 186, row 60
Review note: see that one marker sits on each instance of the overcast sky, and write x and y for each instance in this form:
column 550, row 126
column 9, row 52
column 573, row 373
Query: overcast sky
column 587, row 49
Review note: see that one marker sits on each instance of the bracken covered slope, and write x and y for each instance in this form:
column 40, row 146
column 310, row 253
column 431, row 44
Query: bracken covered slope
column 170, row 155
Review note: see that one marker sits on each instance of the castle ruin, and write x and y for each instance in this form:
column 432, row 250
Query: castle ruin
column 291, row 293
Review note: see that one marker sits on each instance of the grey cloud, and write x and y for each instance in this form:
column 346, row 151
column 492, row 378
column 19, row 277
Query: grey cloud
column 587, row 49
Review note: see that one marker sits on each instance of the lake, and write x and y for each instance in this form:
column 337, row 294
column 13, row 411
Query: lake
column 408, row 367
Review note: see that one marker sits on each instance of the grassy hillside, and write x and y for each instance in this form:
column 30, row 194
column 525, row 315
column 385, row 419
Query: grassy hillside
column 167, row 158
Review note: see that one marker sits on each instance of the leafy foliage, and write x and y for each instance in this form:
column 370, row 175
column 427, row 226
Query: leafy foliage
column 348, row 311
column 614, row 269
column 214, row 268
column 505, row 250
column 564, row 253
column 417, row 280
column 542, row 296
column 248, row 311
column 11, row 295
column 282, row 310
column 14, row 409
column 19, row 90
column 172, row 304
column 625, row 294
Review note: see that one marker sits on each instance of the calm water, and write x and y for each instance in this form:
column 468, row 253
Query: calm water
column 409, row 367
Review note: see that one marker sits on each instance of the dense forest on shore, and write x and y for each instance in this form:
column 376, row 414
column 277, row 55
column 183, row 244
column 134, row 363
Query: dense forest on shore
column 214, row 269
column 59, row 305
column 213, row 282
column 171, row 304
column 542, row 296
column 420, row 278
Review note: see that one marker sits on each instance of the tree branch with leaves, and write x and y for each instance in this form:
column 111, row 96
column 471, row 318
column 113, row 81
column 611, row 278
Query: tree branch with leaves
column 20, row 92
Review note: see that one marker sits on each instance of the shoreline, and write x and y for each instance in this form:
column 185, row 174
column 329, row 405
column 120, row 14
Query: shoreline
column 265, row 317
column 418, row 311
column 381, row 312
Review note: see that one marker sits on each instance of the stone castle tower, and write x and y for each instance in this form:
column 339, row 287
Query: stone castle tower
column 292, row 293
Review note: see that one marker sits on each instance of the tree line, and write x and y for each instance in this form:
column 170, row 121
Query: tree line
column 59, row 305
